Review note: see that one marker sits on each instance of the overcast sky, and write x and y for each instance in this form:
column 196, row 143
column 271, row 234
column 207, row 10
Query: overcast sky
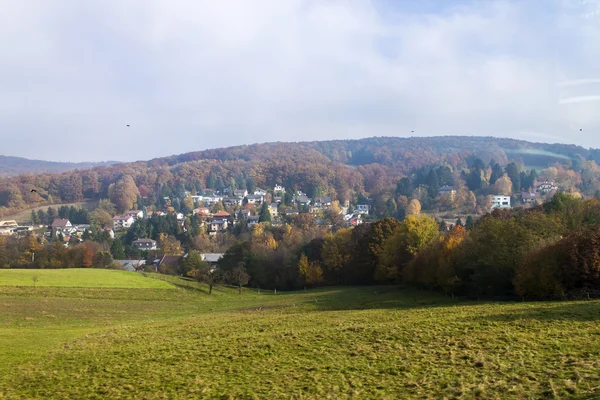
column 189, row 75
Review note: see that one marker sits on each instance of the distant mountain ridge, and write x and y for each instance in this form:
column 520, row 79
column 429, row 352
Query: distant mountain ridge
column 11, row 166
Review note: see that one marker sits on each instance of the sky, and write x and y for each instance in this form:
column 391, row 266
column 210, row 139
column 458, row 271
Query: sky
column 188, row 75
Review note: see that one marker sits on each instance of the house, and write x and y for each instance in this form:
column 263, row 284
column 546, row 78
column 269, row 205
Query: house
column 122, row 222
column 278, row 199
column 135, row 213
column 202, row 211
column 355, row 221
column 291, row 211
column 180, row 217
column 253, row 220
column 278, row 189
column 499, row 201
column 300, row 193
column 60, row 225
column 214, row 199
column 544, row 187
column 111, row 233
column 255, row 199
column 240, row 193
column 530, row 197
column 8, row 224
column 301, row 200
column 322, row 202
column 232, row 201
column 273, row 209
column 145, row 244
column 132, row 265
column 260, row 192
column 447, row 190
column 155, row 213
column 168, row 260
column 218, row 225
column 212, row 258
column 222, row 215
column 361, row 209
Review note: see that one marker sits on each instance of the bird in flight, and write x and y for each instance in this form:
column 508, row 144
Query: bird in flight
column 33, row 190
column 127, row 125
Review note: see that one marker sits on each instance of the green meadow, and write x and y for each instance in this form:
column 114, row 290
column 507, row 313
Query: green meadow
column 176, row 341
column 79, row 277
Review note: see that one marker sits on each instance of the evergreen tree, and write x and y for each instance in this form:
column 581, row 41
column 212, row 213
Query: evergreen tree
column 459, row 222
column 42, row 217
column 116, row 250
column 469, row 222
column 404, row 187
column 34, row 218
column 513, row 173
column 51, row 215
column 433, row 184
column 497, row 173
column 211, row 182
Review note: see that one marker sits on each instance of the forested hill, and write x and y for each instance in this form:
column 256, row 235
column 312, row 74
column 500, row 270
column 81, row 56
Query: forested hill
column 404, row 153
column 343, row 169
column 10, row 166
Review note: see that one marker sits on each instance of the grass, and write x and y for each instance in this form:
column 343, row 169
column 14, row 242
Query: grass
column 75, row 277
column 328, row 343
column 24, row 216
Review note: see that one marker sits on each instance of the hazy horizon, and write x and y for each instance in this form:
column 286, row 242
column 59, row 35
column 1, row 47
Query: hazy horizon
column 195, row 75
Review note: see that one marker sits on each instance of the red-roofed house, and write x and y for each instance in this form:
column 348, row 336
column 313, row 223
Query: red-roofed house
column 60, row 225
column 221, row 215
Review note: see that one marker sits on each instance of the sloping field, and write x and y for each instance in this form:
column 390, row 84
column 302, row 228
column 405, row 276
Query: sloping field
column 329, row 343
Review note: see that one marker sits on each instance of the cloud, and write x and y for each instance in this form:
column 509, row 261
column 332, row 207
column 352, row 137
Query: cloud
column 189, row 75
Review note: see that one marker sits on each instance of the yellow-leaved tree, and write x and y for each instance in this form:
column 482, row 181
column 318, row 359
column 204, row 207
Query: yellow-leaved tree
column 310, row 273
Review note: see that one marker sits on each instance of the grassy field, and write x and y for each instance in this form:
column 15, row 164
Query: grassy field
column 88, row 278
column 25, row 215
column 328, row 343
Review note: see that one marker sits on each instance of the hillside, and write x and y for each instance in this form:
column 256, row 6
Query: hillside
column 10, row 166
column 341, row 168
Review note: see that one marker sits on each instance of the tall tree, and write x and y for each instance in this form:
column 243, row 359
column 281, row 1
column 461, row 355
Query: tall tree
column 414, row 207
column 497, row 173
column 513, row 173
column 117, row 250
column 124, row 193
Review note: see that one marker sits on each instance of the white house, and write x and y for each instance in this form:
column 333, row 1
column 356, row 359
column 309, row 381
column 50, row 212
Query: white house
column 255, row 199
column 279, row 189
column 122, row 222
column 260, row 192
column 145, row 244
column 61, row 225
column 544, row 187
column 240, row 193
column 499, row 201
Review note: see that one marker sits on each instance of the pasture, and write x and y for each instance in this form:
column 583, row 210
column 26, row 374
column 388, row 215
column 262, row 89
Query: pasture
column 79, row 277
column 337, row 342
